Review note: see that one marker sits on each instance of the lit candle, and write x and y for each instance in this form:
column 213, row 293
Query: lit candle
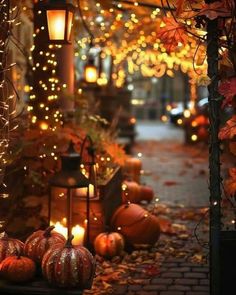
column 60, row 228
column 78, row 233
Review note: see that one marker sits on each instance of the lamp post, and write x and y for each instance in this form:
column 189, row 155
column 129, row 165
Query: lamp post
column 59, row 16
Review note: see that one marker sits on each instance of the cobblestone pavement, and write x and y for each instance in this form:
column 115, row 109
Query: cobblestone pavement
column 178, row 263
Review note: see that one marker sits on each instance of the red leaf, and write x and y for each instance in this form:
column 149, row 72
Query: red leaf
column 170, row 182
column 227, row 88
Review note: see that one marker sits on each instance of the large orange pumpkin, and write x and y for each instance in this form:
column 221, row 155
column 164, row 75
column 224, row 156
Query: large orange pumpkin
column 9, row 246
column 109, row 244
column 40, row 241
column 137, row 225
column 68, row 266
column 132, row 168
column 18, row 269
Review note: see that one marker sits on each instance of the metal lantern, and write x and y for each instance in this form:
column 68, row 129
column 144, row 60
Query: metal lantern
column 59, row 21
column 90, row 71
column 62, row 197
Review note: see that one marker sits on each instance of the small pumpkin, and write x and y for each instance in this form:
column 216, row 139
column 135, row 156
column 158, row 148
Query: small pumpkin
column 18, row 269
column 68, row 266
column 136, row 224
column 109, row 244
column 40, row 241
column 131, row 191
column 135, row 193
column 9, row 246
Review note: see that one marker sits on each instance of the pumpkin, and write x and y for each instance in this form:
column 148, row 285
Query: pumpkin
column 18, row 269
column 9, row 246
column 40, row 241
column 137, row 225
column 132, row 168
column 68, row 266
column 135, row 193
column 131, row 191
column 109, row 244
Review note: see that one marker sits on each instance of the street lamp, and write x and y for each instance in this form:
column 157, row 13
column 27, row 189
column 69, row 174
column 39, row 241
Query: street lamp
column 59, row 21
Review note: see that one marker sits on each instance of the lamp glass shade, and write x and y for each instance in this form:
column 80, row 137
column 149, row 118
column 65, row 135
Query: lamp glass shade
column 59, row 22
column 90, row 73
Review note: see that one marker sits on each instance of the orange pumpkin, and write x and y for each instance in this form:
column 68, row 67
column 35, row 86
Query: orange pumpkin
column 132, row 168
column 137, row 225
column 131, row 192
column 9, row 246
column 68, row 266
column 109, row 244
column 135, row 193
column 18, row 269
column 40, row 241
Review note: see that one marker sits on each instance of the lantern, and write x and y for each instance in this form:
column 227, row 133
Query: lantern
column 59, row 21
column 63, row 213
column 90, row 72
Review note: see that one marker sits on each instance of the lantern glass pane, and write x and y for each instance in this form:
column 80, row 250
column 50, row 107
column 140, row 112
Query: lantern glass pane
column 91, row 74
column 58, row 205
column 56, row 24
column 69, row 25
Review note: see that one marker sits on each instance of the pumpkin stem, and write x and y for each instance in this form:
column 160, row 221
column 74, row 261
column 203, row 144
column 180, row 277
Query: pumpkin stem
column 47, row 232
column 69, row 242
column 18, row 255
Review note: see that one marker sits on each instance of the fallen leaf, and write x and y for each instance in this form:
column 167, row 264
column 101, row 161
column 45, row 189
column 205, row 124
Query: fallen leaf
column 170, row 182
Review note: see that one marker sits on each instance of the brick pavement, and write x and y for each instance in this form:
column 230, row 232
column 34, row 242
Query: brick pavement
column 178, row 175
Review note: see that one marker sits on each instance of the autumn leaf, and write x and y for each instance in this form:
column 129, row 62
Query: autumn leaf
column 179, row 6
column 216, row 9
column 229, row 130
column 170, row 182
column 165, row 225
column 171, row 34
column 230, row 187
column 227, row 88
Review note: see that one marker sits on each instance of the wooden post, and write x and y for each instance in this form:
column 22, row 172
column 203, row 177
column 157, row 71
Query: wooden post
column 214, row 156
